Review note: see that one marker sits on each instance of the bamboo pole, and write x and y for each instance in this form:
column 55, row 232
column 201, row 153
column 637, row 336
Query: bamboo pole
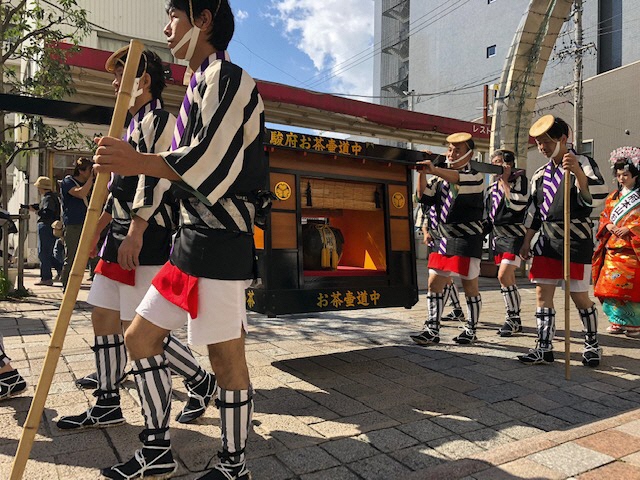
column 567, row 274
column 77, row 271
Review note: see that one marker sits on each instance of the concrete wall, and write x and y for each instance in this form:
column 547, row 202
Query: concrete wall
column 448, row 51
column 141, row 19
column 449, row 42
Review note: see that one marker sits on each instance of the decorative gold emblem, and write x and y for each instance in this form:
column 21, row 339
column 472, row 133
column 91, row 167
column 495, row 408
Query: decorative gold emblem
column 398, row 200
column 283, row 190
column 251, row 301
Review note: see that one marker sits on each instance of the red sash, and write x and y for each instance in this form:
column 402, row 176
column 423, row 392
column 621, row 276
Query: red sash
column 545, row 267
column 116, row 273
column 450, row 263
column 178, row 287
column 504, row 256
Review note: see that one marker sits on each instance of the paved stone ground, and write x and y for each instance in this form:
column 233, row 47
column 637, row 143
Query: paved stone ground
column 345, row 396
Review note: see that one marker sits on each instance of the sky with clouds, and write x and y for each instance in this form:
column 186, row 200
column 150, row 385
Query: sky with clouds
column 320, row 45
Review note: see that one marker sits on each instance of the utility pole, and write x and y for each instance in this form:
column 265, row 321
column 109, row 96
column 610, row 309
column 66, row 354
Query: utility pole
column 410, row 94
column 577, row 78
column 485, row 104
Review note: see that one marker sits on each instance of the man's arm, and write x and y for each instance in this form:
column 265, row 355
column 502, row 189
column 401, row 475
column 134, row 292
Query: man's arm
column 83, row 191
column 570, row 162
column 149, row 198
column 103, row 221
column 447, row 174
column 422, row 184
column 518, row 196
column 525, row 249
column 116, row 155
column 155, row 166
column 129, row 250
column 451, row 176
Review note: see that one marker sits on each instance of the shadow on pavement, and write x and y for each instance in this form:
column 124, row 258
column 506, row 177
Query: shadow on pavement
column 403, row 408
column 95, row 448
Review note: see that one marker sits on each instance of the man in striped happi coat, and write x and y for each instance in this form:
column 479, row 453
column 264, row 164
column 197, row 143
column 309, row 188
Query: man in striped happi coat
column 218, row 164
column 506, row 203
column 546, row 215
column 457, row 193
column 134, row 250
column 428, row 221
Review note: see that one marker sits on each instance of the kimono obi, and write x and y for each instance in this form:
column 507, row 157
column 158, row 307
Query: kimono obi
column 509, row 231
column 460, row 230
column 580, row 229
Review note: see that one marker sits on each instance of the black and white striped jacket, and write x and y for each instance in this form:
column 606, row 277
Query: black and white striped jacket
column 151, row 135
column 463, row 227
column 508, row 223
column 221, row 162
column 551, row 241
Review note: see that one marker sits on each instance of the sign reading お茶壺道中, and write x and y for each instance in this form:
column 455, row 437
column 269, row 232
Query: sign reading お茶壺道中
column 279, row 138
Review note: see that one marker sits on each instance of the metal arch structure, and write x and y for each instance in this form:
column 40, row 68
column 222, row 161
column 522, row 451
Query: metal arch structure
column 522, row 74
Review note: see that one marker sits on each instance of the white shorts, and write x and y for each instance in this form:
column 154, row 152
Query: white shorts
column 474, row 271
column 222, row 311
column 574, row 285
column 516, row 262
column 107, row 293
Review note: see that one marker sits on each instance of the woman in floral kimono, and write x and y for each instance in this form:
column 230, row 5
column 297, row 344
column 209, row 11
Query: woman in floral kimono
column 616, row 262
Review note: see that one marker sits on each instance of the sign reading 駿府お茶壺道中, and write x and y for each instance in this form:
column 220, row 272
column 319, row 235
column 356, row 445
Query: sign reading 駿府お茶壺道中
column 311, row 143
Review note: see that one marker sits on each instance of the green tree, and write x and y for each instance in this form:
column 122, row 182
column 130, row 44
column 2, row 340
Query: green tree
column 32, row 63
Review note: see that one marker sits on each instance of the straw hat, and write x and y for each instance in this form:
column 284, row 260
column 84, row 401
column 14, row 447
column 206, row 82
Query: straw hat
column 542, row 126
column 118, row 58
column 43, row 183
column 461, row 137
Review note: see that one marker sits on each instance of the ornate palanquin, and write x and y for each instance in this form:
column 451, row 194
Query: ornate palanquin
column 361, row 189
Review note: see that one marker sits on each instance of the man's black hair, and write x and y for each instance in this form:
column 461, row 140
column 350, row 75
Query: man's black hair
column 558, row 129
column 223, row 23
column 151, row 63
column 507, row 156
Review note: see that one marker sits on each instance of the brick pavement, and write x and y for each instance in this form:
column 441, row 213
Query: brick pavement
column 348, row 396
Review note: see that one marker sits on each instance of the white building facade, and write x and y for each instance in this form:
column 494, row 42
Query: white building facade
column 437, row 56
column 115, row 23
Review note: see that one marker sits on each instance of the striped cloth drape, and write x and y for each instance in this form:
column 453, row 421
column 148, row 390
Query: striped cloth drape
column 496, row 197
column 552, row 178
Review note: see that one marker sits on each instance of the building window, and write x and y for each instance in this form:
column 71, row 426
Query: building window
column 587, row 148
column 609, row 35
column 491, row 51
column 63, row 163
